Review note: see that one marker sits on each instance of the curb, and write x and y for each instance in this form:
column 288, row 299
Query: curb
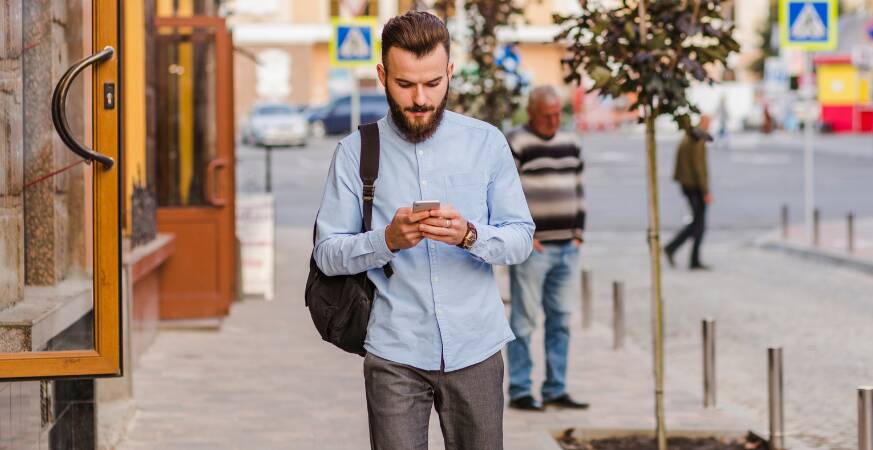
column 815, row 254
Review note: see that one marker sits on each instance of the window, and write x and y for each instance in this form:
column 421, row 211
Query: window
column 352, row 8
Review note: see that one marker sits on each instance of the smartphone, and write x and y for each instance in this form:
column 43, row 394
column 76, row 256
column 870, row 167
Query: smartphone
column 425, row 205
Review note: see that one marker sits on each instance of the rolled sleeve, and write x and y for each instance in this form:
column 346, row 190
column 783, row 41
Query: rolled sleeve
column 507, row 238
column 381, row 251
column 341, row 248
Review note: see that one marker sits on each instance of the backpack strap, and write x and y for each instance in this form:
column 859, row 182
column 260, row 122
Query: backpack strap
column 369, row 171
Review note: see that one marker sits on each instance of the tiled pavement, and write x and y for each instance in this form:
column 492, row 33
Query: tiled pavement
column 264, row 380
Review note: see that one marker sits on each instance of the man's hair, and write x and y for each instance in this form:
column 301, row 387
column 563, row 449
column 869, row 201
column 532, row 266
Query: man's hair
column 542, row 93
column 417, row 32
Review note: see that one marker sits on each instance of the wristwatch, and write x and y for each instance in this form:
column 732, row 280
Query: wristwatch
column 469, row 238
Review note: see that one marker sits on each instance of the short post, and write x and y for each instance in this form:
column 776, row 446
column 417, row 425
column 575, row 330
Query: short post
column 850, row 232
column 586, row 300
column 708, row 363
column 865, row 417
column 816, row 215
column 774, row 378
column 617, row 315
column 785, row 222
column 268, row 162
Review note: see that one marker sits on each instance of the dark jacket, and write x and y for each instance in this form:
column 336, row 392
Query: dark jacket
column 691, row 167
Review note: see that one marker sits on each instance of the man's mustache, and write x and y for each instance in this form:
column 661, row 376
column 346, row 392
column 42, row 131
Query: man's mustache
column 422, row 108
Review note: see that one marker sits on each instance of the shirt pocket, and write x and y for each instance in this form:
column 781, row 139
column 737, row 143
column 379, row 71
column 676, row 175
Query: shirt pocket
column 468, row 193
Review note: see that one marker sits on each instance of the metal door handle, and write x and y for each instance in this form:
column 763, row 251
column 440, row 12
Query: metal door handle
column 59, row 102
column 212, row 182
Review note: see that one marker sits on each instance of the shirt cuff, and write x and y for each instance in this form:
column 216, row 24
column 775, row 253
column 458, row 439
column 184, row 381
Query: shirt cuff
column 380, row 245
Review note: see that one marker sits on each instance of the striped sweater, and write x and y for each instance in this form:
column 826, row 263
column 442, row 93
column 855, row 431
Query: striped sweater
column 551, row 175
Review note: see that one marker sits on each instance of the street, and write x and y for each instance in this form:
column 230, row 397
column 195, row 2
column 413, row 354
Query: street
column 750, row 182
column 819, row 313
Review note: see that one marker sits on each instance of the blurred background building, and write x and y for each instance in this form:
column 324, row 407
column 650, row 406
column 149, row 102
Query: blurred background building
column 282, row 49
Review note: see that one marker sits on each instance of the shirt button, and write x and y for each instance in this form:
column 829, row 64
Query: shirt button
column 435, row 279
column 420, row 153
column 424, row 182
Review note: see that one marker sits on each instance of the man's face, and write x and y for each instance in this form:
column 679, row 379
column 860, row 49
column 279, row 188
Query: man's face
column 545, row 116
column 417, row 90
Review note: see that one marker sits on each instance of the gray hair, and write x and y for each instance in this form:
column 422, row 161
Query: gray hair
column 542, row 94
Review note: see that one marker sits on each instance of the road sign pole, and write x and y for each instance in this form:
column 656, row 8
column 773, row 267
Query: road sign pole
column 809, row 148
column 356, row 100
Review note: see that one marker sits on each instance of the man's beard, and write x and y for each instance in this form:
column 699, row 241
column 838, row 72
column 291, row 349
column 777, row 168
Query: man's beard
column 412, row 131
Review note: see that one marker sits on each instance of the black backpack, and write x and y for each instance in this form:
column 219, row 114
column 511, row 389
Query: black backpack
column 340, row 305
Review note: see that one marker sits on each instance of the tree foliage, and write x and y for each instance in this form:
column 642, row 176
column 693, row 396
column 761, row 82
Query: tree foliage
column 765, row 32
column 481, row 88
column 685, row 41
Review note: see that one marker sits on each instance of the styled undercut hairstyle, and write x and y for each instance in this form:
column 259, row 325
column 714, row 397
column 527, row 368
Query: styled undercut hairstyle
column 417, row 32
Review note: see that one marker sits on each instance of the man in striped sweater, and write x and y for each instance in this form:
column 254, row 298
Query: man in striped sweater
column 550, row 165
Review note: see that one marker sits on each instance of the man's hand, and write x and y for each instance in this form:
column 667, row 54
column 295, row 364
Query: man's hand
column 403, row 232
column 538, row 246
column 444, row 225
column 577, row 242
column 707, row 198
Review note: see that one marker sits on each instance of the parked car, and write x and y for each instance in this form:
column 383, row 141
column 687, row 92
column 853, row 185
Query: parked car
column 276, row 125
column 335, row 118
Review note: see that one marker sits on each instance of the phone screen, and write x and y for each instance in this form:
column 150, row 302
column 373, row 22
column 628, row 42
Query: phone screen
column 425, row 205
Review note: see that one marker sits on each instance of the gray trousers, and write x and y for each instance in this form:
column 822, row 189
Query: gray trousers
column 469, row 402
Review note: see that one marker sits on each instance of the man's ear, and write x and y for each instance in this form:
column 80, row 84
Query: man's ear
column 450, row 70
column 380, row 70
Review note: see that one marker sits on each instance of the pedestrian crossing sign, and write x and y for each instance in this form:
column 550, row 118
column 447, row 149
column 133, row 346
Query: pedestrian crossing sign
column 808, row 24
column 353, row 42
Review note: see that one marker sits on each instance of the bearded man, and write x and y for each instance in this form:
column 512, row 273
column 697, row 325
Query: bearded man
column 437, row 324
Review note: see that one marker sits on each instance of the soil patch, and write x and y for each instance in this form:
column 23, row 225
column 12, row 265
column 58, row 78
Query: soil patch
column 570, row 442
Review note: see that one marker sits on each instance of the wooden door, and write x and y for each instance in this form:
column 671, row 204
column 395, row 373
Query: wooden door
column 60, row 222
column 196, row 165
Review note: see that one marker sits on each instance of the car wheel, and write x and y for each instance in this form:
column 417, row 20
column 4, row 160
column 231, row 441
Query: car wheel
column 318, row 129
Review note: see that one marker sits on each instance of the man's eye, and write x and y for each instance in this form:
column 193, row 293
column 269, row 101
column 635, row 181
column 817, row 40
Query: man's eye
column 434, row 84
column 404, row 85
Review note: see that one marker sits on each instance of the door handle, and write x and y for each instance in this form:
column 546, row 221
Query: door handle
column 213, row 183
column 59, row 102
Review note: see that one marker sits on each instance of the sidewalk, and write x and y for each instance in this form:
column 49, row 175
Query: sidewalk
column 265, row 380
column 833, row 243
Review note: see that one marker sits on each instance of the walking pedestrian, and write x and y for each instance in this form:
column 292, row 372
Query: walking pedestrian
column 692, row 175
column 437, row 325
column 550, row 164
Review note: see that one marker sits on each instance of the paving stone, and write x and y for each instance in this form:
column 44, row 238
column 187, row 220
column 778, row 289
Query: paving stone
column 266, row 380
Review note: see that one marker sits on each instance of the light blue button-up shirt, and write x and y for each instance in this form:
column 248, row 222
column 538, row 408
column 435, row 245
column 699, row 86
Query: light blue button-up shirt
column 442, row 303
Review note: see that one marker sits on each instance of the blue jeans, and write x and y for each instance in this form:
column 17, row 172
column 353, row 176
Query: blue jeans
column 550, row 281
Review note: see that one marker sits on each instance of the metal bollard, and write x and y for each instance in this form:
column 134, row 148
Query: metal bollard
column 774, row 378
column 784, row 221
column 865, row 417
column 708, row 363
column 586, row 300
column 850, row 232
column 617, row 315
column 815, row 227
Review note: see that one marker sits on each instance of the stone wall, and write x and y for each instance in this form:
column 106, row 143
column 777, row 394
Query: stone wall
column 53, row 231
column 11, row 163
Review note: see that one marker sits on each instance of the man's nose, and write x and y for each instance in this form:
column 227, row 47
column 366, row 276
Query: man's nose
column 419, row 98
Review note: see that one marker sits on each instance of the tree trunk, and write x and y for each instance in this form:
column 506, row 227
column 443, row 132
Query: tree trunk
column 657, row 302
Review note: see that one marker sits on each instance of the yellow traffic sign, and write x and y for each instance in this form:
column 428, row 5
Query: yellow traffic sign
column 808, row 24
